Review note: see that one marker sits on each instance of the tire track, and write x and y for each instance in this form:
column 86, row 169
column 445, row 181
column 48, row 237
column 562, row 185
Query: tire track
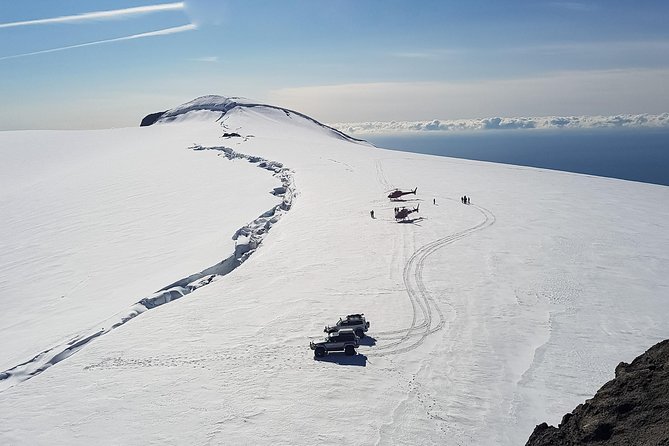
column 381, row 176
column 423, row 322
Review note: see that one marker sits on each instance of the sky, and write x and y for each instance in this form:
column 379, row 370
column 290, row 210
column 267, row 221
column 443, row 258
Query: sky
column 81, row 64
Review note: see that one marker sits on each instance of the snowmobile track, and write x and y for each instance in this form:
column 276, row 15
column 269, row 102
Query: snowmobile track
column 423, row 304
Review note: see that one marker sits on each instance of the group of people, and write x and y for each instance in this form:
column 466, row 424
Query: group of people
column 465, row 199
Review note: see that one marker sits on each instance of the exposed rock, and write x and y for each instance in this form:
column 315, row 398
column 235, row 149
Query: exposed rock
column 631, row 409
column 151, row 119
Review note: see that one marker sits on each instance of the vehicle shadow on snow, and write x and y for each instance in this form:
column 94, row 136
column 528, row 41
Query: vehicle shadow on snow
column 368, row 341
column 342, row 359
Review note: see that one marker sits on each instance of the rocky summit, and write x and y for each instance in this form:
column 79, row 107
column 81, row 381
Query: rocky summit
column 631, row 409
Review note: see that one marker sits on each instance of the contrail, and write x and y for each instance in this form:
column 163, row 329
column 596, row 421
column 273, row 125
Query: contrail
column 99, row 15
column 160, row 32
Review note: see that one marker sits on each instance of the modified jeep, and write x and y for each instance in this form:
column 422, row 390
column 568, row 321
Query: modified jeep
column 342, row 340
column 355, row 322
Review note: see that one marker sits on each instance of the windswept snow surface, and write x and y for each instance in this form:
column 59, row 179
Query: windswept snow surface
column 485, row 319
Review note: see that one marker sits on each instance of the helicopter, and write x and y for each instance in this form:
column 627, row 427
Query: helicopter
column 403, row 213
column 396, row 194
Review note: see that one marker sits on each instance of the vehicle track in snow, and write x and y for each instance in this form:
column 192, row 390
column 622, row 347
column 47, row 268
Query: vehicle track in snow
column 381, row 176
column 427, row 316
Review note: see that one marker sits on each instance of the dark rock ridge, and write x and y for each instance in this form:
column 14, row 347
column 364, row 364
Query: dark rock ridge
column 151, row 119
column 631, row 409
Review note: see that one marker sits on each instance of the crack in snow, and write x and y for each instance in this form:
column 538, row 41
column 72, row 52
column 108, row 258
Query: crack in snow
column 247, row 239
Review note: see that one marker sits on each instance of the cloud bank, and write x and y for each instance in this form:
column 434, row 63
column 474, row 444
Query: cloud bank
column 497, row 123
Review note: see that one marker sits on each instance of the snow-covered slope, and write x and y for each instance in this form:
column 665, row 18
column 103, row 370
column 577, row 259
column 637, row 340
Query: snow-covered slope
column 486, row 319
column 204, row 106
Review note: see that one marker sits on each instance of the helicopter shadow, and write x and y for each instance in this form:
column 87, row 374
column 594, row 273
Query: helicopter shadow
column 407, row 200
column 412, row 220
column 358, row 359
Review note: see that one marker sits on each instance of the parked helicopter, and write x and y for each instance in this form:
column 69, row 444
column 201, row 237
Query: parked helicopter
column 403, row 213
column 394, row 195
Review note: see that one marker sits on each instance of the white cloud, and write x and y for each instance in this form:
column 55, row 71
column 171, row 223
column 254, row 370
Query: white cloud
column 98, row 15
column 208, row 59
column 563, row 94
column 160, row 32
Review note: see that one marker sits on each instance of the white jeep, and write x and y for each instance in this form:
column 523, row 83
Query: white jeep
column 355, row 322
column 342, row 340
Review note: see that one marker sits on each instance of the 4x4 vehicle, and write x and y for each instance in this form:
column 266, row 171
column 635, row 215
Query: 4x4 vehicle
column 343, row 340
column 355, row 322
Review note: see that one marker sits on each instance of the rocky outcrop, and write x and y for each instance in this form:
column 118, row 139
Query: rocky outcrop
column 151, row 119
column 631, row 409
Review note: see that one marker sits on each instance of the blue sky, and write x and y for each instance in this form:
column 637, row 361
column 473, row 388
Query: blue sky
column 102, row 63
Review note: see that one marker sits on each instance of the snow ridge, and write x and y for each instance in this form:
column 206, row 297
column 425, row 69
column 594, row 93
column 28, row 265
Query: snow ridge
column 224, row 105
column 247, row 239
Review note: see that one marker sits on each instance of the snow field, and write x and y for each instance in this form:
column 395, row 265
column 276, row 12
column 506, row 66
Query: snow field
column 119, row 215
column 485, row 319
